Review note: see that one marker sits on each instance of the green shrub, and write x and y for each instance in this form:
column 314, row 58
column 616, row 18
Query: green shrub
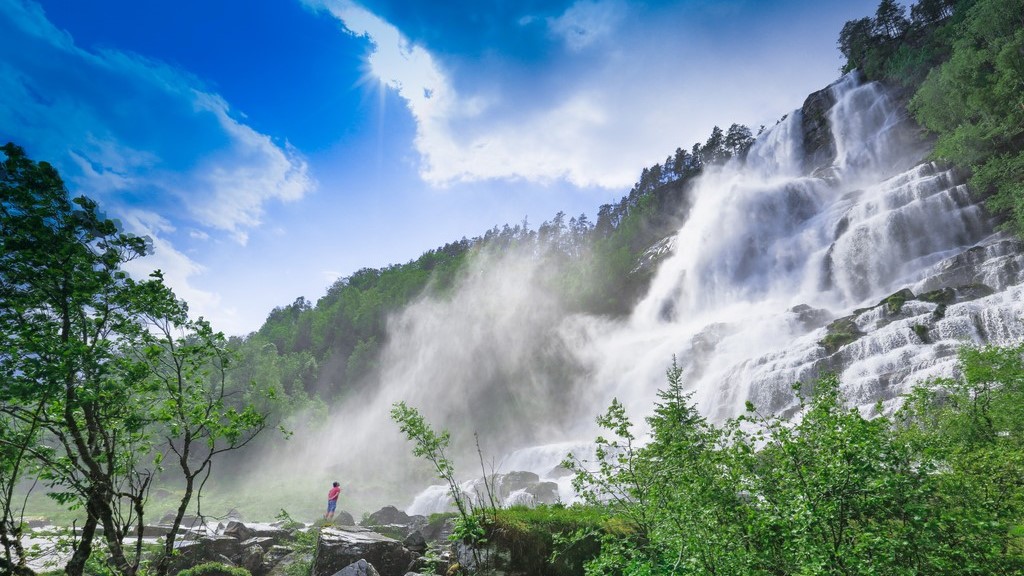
column 214, row 569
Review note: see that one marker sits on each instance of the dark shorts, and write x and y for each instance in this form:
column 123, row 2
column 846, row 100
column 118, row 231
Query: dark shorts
column 332, row 505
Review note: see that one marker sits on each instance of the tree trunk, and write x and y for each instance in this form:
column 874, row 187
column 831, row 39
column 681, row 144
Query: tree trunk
column 164, row 564
column 76, row 566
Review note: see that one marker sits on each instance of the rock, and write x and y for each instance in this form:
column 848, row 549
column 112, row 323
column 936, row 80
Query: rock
column 544, row 492
column 386, row 515
column 156, row 531
column 268, row 531
column 206, row 549
column 343, row 518
column 285, row 565
column 358, row 568
column 894, row 302
column 811, row 318
column 840, row 333
column 264, row 542
column 238, row 530
column 338, row 547
column 819, row 147
column 438, row 529
column 276, row 554
column 187, row 521
column 252, row 560
column 415, row 542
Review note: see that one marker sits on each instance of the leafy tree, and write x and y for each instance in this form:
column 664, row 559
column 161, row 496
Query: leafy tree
column 16, row 441
column 197, row 416
column 738, row 140
column 67, row 310
column 890, row 19
column 91, row 370
column 974, row 103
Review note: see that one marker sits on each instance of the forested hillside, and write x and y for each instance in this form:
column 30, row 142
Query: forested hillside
column 961, row 63
column 327, row 348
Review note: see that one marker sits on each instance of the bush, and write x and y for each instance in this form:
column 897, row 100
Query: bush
column 214, row 569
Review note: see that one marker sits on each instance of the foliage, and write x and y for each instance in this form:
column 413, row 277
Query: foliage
column 69, row 313
column 472, row 522
column 433, row 447
column 975, row 103
column 935, row 489
column 553, row 540
column 963, row 61
column 214, row 569
column 195, row 413
column 101, row 373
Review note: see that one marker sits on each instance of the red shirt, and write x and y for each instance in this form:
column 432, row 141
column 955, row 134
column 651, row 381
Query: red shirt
column 333, row 494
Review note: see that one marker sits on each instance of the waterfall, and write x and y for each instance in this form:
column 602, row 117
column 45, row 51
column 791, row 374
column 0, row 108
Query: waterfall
column 769, row 255
column 872, row 263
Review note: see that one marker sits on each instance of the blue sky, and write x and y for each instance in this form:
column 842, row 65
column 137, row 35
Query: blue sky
column 270, row 147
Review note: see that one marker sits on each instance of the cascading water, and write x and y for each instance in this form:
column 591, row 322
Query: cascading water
column 776, row 258
column 769, row 255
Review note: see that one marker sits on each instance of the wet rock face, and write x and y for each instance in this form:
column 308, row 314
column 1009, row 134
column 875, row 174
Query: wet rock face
column 339, row 547
column 819, row 148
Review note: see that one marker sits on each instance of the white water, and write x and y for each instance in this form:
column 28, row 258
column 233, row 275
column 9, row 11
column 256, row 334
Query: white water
column 762, row 239
column 768, row 256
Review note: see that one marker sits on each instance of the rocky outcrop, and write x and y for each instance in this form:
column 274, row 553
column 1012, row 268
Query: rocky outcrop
column 255, row 547
column 819, row 146
column 214, row 548
column 339, row 547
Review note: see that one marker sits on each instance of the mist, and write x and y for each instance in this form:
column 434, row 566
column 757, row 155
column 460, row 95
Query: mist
column 772, row 252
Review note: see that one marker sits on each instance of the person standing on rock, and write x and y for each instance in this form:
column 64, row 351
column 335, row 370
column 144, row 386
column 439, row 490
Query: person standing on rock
column 332, row 500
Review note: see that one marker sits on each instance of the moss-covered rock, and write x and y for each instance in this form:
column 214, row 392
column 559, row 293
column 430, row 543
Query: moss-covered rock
column 840, row 333
column 941, row 296
column 529, row 535
column 894, row 302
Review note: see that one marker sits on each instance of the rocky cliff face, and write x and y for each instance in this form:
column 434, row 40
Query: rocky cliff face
column 819, row 148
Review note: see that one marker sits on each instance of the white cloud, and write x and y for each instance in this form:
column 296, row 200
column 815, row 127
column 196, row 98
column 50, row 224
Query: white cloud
column 633, row 84
column 178, row 269
column 116, row 124
column 585, row 23
column 244, row 176
column 129, row 131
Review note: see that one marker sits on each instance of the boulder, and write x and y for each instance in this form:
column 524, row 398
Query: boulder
column 343, row 518
column 358, row 568
column 544, row 492
column 252, row 559
column 287, row 564
column 238, row 530
column 191, row 553
column 187, row 521
column 416, row 542
column 276, row 554
column 208, row 547
column 264, row 542
column 338, row 547
column 385, row 516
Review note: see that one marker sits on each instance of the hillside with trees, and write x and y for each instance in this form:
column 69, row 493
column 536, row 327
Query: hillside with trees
column 108, row 388
column 327, row 348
